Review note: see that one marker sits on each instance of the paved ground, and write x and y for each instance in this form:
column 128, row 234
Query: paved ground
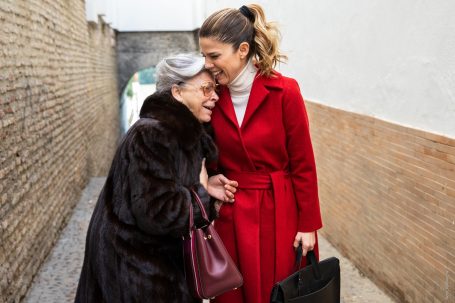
column 57, row 280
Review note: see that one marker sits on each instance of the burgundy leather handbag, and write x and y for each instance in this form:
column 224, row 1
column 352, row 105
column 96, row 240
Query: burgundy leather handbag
column 209, row 269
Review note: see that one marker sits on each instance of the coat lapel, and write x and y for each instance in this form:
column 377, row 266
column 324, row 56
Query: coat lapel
column 226, row 107
column 259, row 92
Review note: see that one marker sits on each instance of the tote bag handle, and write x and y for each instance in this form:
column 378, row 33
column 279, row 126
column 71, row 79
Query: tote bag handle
column 311, row 260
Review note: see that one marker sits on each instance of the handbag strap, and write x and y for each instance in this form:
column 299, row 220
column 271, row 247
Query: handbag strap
column 298, row 258
column 203, row 212
column 199, row 203
column 191, row 221
column 311, row 260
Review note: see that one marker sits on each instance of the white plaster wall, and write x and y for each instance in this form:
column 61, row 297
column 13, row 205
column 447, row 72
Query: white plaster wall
column 148, row 15
column 390, row 59
column 394, row 60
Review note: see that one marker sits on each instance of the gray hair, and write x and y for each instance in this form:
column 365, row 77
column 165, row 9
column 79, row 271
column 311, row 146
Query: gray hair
column 176, row 69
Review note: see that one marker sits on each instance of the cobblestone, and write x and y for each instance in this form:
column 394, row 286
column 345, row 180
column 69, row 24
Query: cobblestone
column 57, row 279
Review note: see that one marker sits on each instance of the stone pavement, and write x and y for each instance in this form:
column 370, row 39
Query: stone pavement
column 57, row 279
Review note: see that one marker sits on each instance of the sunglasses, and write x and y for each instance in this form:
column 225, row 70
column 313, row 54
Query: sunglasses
column 207, row 87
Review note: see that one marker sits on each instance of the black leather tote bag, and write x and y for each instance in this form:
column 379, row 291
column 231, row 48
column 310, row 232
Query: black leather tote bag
column 315, row 283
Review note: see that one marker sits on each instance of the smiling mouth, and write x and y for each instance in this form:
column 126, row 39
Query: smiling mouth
column 210, row 108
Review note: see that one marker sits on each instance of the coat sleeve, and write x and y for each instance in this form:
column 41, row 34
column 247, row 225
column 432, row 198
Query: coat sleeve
column 301, row 157
column 159, row 202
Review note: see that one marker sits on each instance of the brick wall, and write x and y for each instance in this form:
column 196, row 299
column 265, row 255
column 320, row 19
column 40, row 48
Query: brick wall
column 388, row 201
column 58, row 126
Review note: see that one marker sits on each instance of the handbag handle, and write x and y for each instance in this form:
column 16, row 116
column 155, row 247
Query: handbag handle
column 199, row 203
column 311, row 257
column 203, row 212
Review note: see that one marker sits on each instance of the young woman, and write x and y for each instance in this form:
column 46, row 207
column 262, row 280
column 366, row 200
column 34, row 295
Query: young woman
column 134, row 243
column 262, row 133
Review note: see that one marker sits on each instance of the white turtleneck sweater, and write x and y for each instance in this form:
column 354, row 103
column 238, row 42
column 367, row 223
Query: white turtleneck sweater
column 240, row 89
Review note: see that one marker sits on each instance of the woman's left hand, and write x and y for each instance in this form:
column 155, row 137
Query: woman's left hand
column 308, row 241
column 221, row 188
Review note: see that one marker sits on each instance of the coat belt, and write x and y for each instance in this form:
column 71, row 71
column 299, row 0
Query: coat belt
column 256, row 180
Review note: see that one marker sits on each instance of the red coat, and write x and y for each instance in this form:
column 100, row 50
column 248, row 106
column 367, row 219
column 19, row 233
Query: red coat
column 271, row 157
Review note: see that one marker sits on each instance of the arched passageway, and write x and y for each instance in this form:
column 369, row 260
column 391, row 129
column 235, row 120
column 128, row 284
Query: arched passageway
column 137, row 55
column 139, row 86
column 140, row 50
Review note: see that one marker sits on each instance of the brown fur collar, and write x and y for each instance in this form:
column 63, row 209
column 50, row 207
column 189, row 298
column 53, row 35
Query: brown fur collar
column 176, row 118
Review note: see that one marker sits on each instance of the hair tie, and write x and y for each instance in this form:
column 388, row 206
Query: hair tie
column 247, row 13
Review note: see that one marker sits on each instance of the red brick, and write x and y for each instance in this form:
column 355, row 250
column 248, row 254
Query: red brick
column 389, row 191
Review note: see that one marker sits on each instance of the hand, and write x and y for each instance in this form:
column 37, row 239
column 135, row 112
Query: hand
column 221, row 188
column 308, row 241
column 203, row 176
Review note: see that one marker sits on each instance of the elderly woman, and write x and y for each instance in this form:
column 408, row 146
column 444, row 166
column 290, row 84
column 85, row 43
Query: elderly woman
column 134, row 243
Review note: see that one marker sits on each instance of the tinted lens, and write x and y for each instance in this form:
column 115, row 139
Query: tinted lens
column 208, row 88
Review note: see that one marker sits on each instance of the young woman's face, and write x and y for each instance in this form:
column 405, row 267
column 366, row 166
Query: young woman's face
column 222, row 60
column 199, row 95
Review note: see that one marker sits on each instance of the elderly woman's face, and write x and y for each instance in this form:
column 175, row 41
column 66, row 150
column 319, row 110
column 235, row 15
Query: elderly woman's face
column 199, row 95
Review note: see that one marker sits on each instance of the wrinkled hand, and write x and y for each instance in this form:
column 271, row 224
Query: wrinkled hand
column 203, row 176
column 221, row 188
column 308, row 241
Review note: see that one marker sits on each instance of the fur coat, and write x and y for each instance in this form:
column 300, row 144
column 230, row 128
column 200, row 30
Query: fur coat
column 133, row 248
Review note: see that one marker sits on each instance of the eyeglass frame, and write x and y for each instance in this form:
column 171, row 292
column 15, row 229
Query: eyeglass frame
column 203, row 87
